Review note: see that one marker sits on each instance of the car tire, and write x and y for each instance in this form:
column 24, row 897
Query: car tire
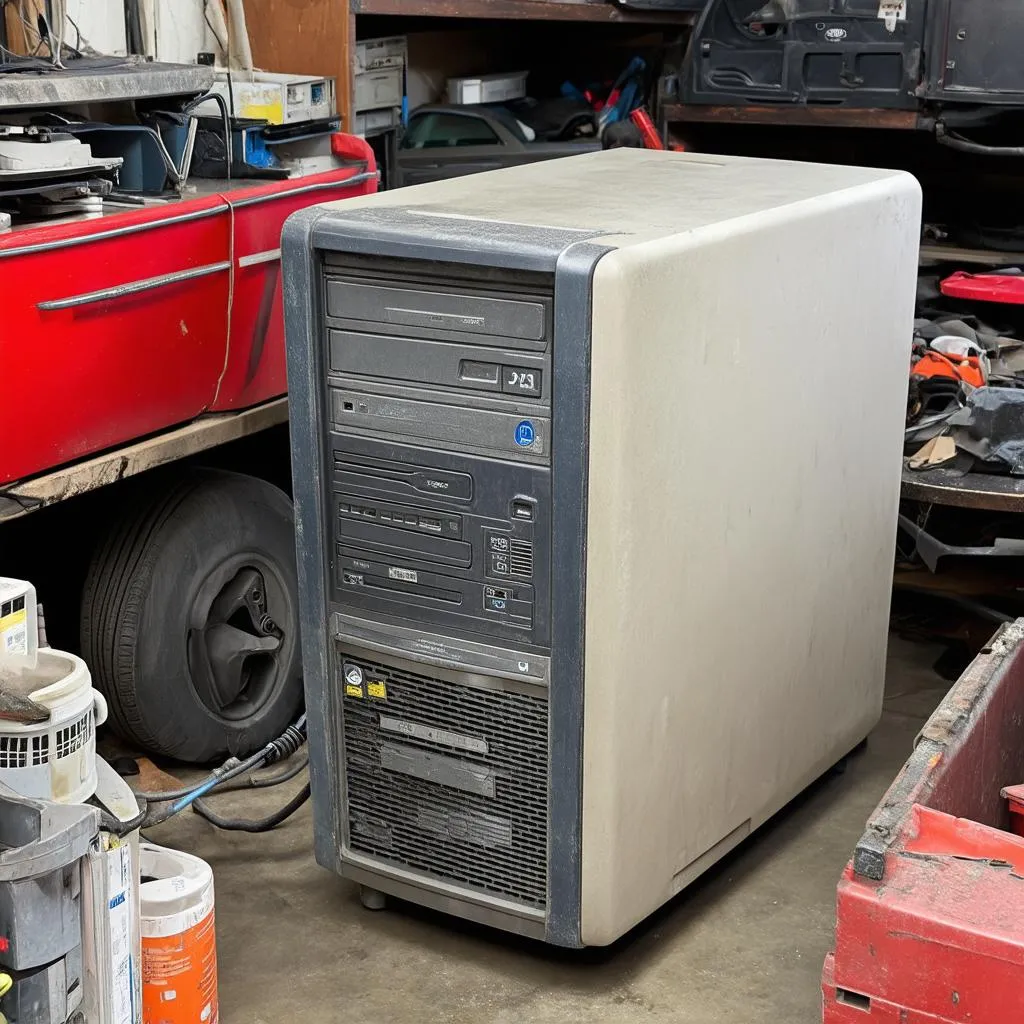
column 190, row 619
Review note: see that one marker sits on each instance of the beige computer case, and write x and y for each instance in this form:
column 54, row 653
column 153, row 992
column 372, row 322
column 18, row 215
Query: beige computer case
column 724, row 369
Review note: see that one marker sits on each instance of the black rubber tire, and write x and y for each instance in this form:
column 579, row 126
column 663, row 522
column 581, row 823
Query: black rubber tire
column 140, row 592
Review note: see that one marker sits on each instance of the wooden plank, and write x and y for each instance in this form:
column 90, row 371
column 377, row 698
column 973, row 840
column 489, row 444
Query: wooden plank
column 21, row 38
column 799, row 115
column 304, row 37
column 526, row 10
column 21, row 498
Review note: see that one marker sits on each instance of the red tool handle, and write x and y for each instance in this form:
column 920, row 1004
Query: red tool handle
column 652, row 140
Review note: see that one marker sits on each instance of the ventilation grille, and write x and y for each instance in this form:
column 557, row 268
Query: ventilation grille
column 521, row 558
column 450, row 780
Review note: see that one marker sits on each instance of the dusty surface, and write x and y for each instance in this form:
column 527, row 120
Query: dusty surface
column 744, row 945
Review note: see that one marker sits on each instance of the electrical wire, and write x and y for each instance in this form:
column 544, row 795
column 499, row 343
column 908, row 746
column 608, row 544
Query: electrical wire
column 253, row 824
column 256, row 761
column 945, row 137
column 23, row 62
column 265, row 781
column 227, row 783
column 173, row 794
column 287, row 744
column 77, row 48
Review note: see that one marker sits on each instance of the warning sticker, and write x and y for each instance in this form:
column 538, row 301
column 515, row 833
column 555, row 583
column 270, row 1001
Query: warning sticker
column 14, row 633
column 408, row 575
column 891, row 11
column 377, row 689
column 353, row 690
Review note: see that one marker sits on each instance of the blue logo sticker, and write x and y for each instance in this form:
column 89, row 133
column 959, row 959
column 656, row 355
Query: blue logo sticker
column 524, row 433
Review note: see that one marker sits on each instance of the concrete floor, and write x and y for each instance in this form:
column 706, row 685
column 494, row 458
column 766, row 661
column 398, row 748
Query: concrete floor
column 744, row 945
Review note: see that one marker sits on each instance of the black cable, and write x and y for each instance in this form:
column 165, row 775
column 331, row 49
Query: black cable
column 265, row 781
column 122, row 828
column 225, row 119
column 254, row 824
column 133, row 27
column 947, row 138
column 77, row 48
column 174, row 794
column 276, row 750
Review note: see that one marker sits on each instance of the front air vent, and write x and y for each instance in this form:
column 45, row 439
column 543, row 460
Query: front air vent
column 521, row 559
column 447, row 779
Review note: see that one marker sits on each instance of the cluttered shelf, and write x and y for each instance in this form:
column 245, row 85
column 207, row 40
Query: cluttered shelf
column 963, row 489
column 528, row 10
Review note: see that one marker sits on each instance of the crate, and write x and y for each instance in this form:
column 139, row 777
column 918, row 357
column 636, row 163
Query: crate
column 487, row 88
column 930, row 910
column 380, row 54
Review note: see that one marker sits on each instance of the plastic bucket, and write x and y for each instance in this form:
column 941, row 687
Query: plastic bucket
column 56, row 759
column 179, row 947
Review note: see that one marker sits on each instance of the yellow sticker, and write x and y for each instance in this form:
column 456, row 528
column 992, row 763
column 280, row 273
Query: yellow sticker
column 376, row 688
column 14, row 633
column 353, row 691
column 272, row 111
column 12, row 620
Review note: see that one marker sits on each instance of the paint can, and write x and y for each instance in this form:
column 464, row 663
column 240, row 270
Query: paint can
column 179, row 947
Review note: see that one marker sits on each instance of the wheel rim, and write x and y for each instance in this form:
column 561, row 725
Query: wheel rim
column 240, row 637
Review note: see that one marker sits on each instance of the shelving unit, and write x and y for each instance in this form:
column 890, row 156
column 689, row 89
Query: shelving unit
column 530, row 10
column 318, row 37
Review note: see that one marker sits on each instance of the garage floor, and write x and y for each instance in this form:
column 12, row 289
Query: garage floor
column 744, row 945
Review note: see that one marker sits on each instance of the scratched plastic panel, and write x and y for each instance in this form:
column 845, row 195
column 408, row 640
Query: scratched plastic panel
column 494, row 844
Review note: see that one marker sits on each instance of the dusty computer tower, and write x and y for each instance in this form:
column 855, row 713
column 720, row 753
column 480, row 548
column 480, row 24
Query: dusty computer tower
column 596, row 467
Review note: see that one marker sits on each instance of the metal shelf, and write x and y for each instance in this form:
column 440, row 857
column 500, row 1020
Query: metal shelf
column 100, row 80
column 526, row 10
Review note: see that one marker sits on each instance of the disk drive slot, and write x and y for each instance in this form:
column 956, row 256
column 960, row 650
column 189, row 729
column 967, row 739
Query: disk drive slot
column 512, row 319
column 359, row 472
column 391, row 415
column 387, row 541
column 419, row 590
column 388, row 581
column 439, row 363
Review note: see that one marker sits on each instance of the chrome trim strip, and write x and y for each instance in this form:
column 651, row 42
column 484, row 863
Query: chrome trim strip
column 100, row 236
column 256, row 258
column 119, row 291
column 319, row 186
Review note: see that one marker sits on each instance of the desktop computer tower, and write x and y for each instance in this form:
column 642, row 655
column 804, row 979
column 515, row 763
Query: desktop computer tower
column 596, row 468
